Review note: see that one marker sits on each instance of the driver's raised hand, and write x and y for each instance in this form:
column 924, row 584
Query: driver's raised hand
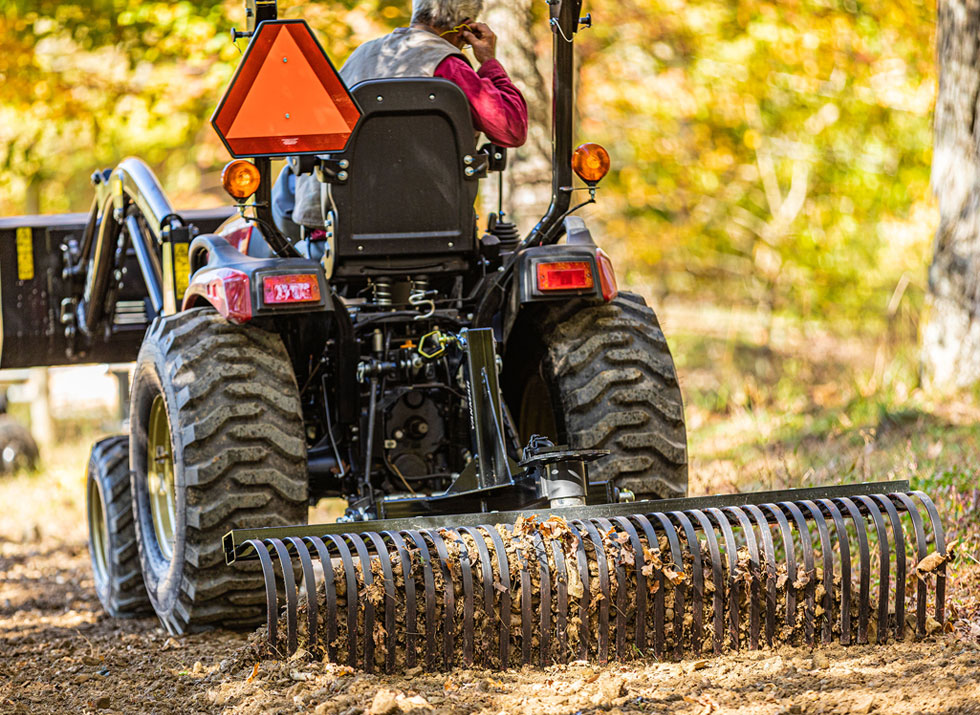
column 481, row 39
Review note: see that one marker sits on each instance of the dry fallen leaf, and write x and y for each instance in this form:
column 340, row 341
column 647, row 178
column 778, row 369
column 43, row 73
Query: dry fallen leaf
column 255, row 671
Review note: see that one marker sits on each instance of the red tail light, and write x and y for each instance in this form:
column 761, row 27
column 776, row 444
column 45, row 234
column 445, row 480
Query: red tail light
column 296, row 288
column 228, row 291
column 607, row 276
column 565, row 275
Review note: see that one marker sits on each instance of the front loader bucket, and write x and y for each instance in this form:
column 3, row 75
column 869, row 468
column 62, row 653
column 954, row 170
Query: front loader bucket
column 668, row 578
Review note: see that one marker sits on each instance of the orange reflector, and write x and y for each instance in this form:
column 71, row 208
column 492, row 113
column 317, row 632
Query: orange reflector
column 301, row 288
column 240, row 178
column 607, row 276
column 590, row 162
column 565, row 275
column 285, row 97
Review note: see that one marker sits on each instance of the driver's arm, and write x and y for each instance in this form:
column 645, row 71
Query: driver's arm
column 496, row 105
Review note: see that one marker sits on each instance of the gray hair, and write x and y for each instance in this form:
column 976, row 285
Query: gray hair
column 445, row 13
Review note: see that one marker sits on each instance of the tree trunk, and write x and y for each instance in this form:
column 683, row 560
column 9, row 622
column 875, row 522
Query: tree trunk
column 951, row 335
column 527, row 181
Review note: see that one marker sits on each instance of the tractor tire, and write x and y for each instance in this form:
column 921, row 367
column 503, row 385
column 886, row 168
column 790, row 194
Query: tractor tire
column 217, row 403
column 601, row 377
column 111, row 532
column 18, row 450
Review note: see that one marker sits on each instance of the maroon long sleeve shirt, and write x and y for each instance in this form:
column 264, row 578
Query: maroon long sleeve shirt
column 496, row 105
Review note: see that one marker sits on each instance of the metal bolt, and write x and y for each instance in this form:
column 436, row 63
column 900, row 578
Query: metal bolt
column 343, row 163
column 467, row 159
column 284, row 59
column 287, row 115
column 468, row 171
column 380, row 98
column 342, row 175
column 451, row 244
column 432, row 98
column 360, row 248
column 399, row 434
column 498, row 156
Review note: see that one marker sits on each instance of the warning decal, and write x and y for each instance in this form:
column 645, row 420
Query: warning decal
column 25, row 254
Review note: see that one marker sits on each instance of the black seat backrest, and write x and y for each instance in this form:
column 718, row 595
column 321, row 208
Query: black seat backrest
column 407, row 202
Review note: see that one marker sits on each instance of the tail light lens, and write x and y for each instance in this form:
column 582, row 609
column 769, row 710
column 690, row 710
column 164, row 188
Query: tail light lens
column 607, row 276
column 228, row 291
column 296, row 288
column 565, row 275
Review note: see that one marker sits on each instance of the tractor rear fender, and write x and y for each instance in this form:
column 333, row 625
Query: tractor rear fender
column 241, row 287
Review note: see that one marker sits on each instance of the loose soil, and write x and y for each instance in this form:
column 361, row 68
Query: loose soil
column 59, row 653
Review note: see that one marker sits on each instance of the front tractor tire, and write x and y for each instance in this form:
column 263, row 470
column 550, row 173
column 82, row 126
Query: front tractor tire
column 111, row 533
column 601, row 376
column 217, row 443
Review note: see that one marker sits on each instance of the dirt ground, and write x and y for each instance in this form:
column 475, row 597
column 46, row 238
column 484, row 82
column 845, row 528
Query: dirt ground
column 60, row 654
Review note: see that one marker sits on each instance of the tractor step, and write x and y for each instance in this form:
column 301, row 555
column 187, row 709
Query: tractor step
column 667, row 578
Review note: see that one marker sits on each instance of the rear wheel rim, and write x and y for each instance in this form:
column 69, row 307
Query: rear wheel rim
column 160, row 478
column 98, row 532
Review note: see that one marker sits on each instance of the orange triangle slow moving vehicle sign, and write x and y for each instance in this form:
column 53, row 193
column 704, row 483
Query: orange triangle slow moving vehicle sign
column 285, row 98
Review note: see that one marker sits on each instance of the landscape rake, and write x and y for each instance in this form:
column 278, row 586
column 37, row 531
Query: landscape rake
column 667, row 578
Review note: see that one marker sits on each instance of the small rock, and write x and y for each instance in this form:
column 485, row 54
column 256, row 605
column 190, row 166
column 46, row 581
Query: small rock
column 820, row 660
column 197, row 668
column 413, row 672
column 103, row 703
column 91, row 660
column 863, row 705
column 699, row 665
column 170, row 644
column 300, row 676
column 81, row 678
column 225, row 664
column 385, row 702
column 932, row 625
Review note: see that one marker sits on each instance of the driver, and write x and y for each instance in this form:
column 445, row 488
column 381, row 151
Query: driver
column 430, row 47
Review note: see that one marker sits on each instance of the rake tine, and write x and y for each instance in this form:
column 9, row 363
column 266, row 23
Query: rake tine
column 389, row 582
column 310, row 579
column 504, row 617
column 600, row 556
column 789, row 549
column 583, row 569
column 921, row 551
column 755, row 573
column 770, row 552
column 827, row 552
column 899, row 534
column 430, row 598
column 680, row 588
column 286, row 564
column 449, row 594
column 716, row 569
column 937, row 531
column 864, row 596
column 351, row 580
column 411, row 622
column 271, row 596
column 884, row 553
column 844, row 548
column 733, row 585
column 562, row 581
column 544, row 571
column 621, row 587
column 487, row 570
column 809, row 605
column 641, row 582
column 468, row 625
column 367, row 579
column 525, row 606
column 330, row 593
column 694, row 548
column 658, row 597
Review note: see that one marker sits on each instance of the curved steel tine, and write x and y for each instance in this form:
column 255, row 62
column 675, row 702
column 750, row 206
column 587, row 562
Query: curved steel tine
column 733, row 586
column 544, row 576
column 411, row 615
column 330, row 594
column 719, row 581
column 921, row 550
column 810, row 588
column 448, row 594
column 351, row 597
column 367, row 578
column 504, row 616
column 864, row 598
column 789, row 549
column 755, row 572
column 679, row 588
column 884, row 554
column 286, row 564
column 845, row 568
column 583, row 610
column 525, row 603
column 938, row 534
column 827, row 552
column 640, row 616
column 770, row 552
column 697, row 577
column 899, row 535
column 428, row 578
column 487, row 571
column 467, row 574
column 562, row 588
column 307, row 563
column 600, row 557
column 658, row 597
column 271, row 594
column 389, row 583
column 621, row 589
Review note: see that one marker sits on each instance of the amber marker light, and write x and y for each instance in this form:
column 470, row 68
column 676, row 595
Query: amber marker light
column 240, row 178
column 590, row 162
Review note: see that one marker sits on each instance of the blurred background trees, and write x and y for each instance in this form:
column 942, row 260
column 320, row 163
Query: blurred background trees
column 772, row 155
